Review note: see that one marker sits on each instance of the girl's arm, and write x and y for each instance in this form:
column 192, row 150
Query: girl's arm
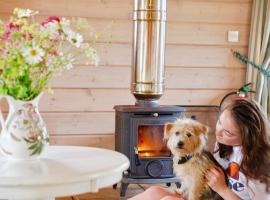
column 227, row 194
column 216, row 180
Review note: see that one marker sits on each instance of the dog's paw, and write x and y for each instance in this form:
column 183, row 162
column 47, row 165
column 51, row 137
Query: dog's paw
column 178, row 191
column 181, row 191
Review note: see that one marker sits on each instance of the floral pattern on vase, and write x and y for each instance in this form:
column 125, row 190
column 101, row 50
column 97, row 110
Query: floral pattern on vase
column 24, row 135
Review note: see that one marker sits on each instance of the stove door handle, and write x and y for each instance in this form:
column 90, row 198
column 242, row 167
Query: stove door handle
column 136, row 157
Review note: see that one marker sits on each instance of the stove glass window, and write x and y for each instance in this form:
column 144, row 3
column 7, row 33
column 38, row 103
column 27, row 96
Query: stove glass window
column 151, row 142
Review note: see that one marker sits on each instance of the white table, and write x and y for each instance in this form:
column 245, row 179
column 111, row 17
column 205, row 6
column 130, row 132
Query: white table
column 61, row 171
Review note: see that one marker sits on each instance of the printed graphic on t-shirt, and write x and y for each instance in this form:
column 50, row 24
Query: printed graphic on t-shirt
column 234, row 182
column 233, row 170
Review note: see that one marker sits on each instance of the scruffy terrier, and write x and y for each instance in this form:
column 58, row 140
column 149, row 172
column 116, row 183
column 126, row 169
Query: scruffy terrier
column 186, row 138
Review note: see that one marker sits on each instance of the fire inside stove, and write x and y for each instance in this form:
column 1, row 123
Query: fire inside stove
column 151, row 142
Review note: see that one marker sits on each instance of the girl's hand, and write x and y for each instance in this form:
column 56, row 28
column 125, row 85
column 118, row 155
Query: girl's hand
column 216, row 179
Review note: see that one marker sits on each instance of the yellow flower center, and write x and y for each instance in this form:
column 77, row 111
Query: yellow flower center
column 33, row 52
column 74, row 40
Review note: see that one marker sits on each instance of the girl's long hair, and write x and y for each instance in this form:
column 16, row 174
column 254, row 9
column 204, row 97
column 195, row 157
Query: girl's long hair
column 255, row 134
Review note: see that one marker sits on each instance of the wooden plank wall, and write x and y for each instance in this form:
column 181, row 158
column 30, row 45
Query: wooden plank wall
column 200, row 67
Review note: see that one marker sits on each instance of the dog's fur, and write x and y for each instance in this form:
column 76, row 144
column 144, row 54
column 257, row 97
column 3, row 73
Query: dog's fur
column 186, row 140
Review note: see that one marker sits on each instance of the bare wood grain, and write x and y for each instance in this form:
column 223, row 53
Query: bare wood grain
column 103, row 141
column 186, row 10
column 176, row 77
column 81, row 123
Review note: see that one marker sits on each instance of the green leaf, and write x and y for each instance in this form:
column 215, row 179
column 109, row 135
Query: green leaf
column 16, row 35
column 37, row 149
column 28, row 140
column 2, row 28
column 33, row 146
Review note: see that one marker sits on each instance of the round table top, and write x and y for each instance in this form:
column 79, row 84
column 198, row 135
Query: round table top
column 61, row 171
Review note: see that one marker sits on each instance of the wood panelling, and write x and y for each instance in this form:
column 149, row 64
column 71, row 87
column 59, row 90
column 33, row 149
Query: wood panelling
column 176, row 55
column 214, row 11
column 200, row 67
column 192, row 33
column 74, row 100
column 103, row 100
column 81, row 123
column 218, row 11
column 120, row 77
column 177, row 32
column 105, row 141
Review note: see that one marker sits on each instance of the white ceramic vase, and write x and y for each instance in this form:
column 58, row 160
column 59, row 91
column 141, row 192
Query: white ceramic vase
column 24, row 134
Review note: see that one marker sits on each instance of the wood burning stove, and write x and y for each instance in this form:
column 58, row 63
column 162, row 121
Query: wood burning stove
column 139, row 135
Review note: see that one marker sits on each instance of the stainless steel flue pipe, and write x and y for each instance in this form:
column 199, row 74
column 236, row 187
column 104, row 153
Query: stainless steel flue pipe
column 149, row 24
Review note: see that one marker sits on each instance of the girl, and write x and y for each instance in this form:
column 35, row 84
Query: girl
column 242, row 149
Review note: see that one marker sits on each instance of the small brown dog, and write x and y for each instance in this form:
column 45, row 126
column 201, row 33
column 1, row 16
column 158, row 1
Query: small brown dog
column 186, row 138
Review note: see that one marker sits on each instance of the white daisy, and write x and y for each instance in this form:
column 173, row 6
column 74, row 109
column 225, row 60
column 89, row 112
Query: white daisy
column 33, row 55
column 50, row 62
column 65, row 24
column 52, row 28
column 90, row 53
column 69, row 66
column 21, row 13
column 74, row 38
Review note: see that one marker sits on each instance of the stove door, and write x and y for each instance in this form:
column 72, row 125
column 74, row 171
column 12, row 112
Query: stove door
column 150, row 157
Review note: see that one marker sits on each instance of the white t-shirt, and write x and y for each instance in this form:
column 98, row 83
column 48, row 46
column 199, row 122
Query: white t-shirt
column 237, row 181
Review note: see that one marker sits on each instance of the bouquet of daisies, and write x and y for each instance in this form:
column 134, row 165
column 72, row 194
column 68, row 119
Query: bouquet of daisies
column 31, row 53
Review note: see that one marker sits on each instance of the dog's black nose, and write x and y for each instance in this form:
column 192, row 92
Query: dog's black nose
column 180, row 144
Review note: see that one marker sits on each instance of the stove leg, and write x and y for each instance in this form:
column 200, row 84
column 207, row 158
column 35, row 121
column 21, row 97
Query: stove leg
column 123, row 189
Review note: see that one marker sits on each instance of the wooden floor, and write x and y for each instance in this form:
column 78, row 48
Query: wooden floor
column 108, row 194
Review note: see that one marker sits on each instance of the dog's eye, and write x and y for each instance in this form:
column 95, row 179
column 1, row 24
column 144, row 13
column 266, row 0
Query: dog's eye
column 188, row 134
column 177, row 133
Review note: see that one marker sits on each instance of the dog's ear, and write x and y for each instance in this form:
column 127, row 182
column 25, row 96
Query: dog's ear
column 201, row 128
column 167, row 128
